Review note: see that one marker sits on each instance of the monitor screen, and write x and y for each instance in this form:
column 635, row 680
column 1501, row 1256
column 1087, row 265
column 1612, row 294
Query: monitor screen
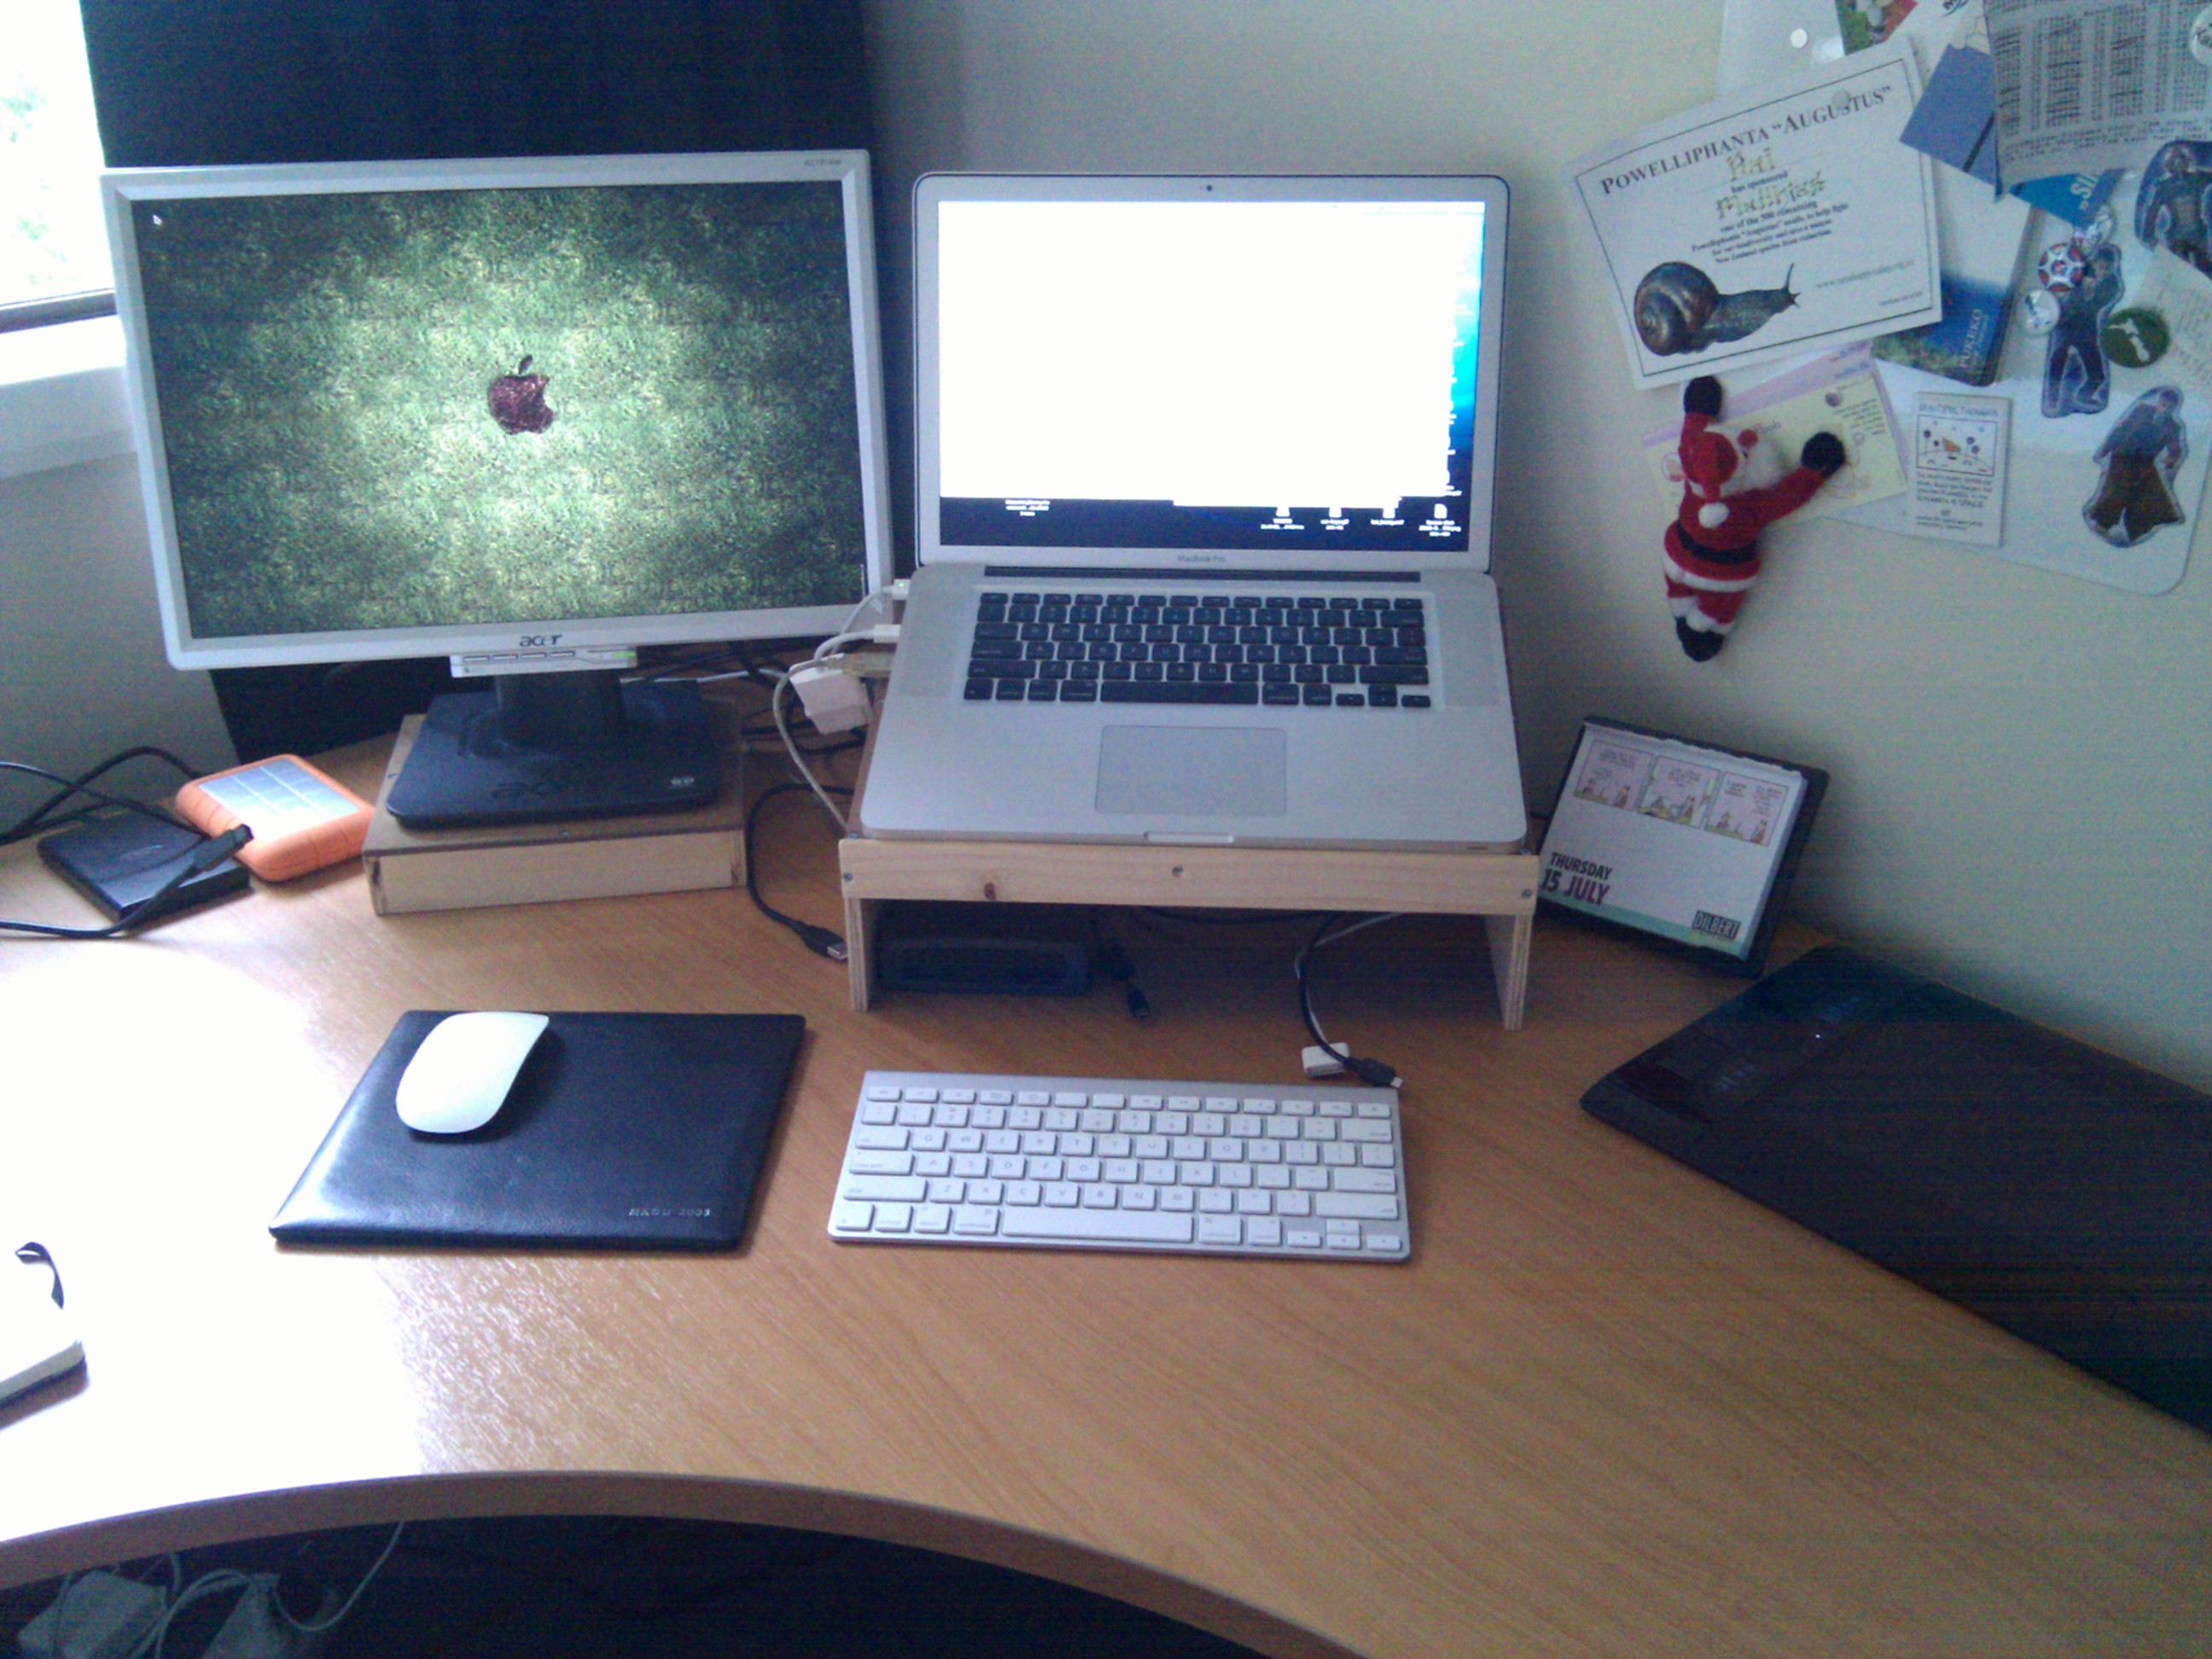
column 1271, row 365
column 445, row 408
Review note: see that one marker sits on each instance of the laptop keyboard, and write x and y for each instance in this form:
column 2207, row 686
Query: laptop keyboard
column 1280, row 650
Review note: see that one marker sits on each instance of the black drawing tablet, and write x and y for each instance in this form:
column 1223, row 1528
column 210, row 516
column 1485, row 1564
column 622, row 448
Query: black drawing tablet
column 2048, row 1187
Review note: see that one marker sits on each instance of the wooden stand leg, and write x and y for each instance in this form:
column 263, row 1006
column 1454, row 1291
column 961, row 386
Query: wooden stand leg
column 1509, row 938
column 860, row 949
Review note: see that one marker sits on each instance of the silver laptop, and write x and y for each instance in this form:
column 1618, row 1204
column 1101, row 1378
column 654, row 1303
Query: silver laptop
column 1204, row 513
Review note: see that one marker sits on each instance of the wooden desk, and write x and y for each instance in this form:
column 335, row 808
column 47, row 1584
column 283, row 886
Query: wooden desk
column 1608, row 1407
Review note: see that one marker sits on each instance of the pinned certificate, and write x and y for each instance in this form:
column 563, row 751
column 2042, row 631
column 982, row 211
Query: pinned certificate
column 1786, row 218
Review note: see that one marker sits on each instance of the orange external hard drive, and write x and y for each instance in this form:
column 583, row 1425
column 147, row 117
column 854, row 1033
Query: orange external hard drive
column 300, row 818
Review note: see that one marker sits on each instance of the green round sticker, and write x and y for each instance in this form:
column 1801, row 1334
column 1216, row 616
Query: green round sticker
column 2135, row 337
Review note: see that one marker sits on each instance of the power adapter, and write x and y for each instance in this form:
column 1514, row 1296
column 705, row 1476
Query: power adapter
column 1336, row 1060
column 100, row 1615
column 254, row 1629
column 835, row 701
column 1320, row 1062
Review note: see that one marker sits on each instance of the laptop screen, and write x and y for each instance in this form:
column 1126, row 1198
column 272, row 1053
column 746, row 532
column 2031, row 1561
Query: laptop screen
column 1282, row 366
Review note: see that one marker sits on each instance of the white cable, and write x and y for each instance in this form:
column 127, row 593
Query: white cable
column 1298, row 967
column 838, row 642
column 228, row 1578
column 866, row 600
column 881, row 634
column 882, row 599
column 1347, row 930
column 314, row 1627
column 791, row 747
column 207, row 1584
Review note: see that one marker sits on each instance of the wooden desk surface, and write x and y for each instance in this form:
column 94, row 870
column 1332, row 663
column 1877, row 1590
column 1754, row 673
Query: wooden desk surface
column 1608, row 1407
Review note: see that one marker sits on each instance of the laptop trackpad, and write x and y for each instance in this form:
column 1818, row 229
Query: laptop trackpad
column 1181, row 771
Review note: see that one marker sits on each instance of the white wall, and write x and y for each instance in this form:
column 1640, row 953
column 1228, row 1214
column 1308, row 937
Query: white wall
column 2022, row 792
column 82, row 670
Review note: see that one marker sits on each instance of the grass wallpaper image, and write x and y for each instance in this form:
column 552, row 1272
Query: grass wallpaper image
column 324, row 367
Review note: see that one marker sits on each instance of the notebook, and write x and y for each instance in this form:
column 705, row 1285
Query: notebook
column 1204, row 516
column 2049, row 1187
column 621, row 1131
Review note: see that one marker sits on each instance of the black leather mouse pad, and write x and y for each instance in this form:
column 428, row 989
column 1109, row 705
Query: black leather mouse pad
column 622, row 1131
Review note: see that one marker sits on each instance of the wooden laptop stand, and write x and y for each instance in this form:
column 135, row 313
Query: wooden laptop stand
column 1499, row 887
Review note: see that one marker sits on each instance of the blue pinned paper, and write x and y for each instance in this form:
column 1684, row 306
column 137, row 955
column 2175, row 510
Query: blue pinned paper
column 2073, row 197
column 1955, row 122
column 1956, row 119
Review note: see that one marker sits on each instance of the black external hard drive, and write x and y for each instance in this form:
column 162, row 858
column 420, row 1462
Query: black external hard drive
column 118, row 859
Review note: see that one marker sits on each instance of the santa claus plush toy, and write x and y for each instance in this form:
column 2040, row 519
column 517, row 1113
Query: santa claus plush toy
column 1728, row 497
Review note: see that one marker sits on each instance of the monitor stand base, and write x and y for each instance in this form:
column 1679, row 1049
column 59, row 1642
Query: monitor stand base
column 549, row 746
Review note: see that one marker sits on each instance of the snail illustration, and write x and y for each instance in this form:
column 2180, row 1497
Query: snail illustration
column 1678, row 309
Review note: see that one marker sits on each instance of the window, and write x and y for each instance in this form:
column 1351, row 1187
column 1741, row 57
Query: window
column 53, row 246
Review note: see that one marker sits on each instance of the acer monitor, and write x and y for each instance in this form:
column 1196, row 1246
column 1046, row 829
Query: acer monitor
column 530, row 414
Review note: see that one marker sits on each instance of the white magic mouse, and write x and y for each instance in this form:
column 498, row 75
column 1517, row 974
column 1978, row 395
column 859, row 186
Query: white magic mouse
column 459, row 1076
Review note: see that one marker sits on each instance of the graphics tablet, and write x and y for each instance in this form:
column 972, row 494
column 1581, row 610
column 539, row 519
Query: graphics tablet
column 2048, row 1187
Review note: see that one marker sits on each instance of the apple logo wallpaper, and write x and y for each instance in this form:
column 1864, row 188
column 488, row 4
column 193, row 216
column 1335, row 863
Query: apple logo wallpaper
column 517, row 400
column 326, row 364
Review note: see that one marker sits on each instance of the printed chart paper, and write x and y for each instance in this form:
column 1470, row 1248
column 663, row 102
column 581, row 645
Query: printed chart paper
column 2087, row 85
column 1782, row 220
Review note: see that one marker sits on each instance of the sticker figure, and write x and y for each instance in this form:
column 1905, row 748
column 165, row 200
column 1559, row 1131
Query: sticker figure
column 2141, row 454
column 2076, row 379
column 2173, row 203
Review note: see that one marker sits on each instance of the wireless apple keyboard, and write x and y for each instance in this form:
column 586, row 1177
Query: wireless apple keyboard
column 941, row 1157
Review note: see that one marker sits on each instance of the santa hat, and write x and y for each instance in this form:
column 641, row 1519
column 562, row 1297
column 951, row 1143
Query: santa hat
column 1714, row 466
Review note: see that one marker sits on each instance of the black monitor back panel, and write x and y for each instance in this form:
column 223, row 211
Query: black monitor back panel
column 2053, row 1190
column 212, row 82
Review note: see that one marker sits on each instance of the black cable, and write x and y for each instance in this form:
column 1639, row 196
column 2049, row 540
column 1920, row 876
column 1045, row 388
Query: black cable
column 32, row 1250
column 766, row 728
column 1234, row 918
column 761, row 671
column 205, row 856
column 1378, row 1073
column 37, row 820
column 1116, row 964
column 820, row 940
column 757, row 726
column 740, row 659
column 655, row 660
